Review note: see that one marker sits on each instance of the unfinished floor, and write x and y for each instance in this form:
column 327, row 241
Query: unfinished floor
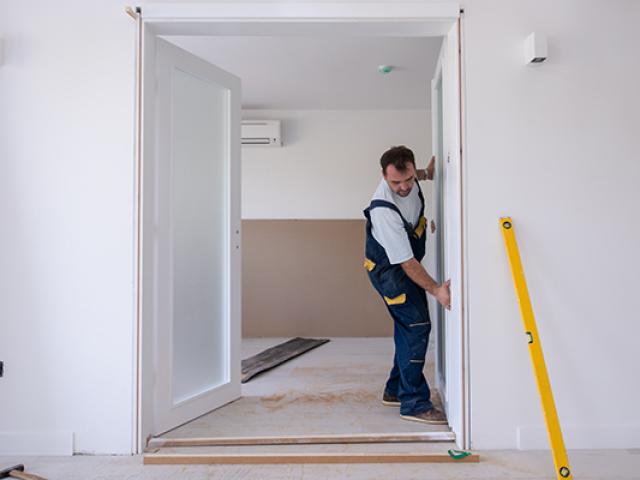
column 535, row 465
column 586, row 464
column 333, row 389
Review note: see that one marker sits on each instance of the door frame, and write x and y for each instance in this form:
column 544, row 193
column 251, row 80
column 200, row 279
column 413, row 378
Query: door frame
column 378, row 19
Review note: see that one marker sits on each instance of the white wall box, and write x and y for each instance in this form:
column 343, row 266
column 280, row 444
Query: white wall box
column 265, row 133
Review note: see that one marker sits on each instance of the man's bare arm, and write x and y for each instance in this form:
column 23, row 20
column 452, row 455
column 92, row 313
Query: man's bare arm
column 416, row 272
column 427, row 173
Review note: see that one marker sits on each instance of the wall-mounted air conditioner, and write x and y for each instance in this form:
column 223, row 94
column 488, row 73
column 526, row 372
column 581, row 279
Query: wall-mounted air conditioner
column 261, row 132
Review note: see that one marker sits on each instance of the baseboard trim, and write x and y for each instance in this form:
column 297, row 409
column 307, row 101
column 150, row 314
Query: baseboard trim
column 36, row 443
column 534, row 437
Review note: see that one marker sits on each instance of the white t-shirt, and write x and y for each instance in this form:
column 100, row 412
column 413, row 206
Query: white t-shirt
column 386, row 225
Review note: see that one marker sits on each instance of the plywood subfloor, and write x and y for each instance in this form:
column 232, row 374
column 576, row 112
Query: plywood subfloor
column 274, row 356
column 334, row 389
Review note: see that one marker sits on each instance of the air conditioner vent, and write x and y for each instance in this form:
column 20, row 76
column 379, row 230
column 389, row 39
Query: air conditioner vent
column 261, row 133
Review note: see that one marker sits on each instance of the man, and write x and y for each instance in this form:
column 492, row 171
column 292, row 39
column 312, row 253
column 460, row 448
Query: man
column 395, row 245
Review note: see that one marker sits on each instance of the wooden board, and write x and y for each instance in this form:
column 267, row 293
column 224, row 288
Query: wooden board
column 277, row 355
column 299, row 458
column 303, row 440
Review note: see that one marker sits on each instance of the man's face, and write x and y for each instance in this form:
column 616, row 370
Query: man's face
column 401, row 182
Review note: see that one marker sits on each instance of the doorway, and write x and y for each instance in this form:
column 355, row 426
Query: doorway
column 162, row 23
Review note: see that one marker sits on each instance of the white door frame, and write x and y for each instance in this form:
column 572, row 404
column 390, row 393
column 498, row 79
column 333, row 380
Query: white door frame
column 377, row 19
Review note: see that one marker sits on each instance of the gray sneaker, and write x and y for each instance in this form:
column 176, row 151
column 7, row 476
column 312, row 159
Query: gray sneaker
column 390, row 400
column 435, row 416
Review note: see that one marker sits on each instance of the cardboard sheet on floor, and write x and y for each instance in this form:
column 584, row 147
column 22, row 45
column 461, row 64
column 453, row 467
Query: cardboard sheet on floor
column 274, row 356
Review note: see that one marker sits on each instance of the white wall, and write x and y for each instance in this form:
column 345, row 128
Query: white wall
column 556, row 147
column 66, row 199
column 329, row 165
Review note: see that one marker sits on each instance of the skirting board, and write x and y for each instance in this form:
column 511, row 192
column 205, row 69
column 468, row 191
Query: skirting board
column 534, row 437
column 299, row 458
column 36, row 443
column 303, row 440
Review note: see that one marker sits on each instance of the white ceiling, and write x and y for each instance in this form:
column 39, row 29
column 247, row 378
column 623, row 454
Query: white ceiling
column 322, row 72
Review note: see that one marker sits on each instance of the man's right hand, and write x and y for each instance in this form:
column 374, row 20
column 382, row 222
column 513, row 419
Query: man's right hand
column 416, row 272
column 443, row 294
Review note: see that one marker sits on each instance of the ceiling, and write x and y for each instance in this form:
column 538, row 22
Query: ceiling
column 320, row 72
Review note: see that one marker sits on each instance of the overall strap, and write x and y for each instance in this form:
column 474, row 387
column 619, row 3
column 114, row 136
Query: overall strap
column 421, row 200
column 386, row 204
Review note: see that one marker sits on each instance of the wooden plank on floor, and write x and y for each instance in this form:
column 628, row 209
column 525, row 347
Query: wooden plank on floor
column 301, row 458
column 304, row 439
column 277, row 355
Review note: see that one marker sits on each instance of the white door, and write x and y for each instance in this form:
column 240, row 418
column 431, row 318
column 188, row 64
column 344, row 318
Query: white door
column 454, row 361
column 192, row 193
column 446, row 201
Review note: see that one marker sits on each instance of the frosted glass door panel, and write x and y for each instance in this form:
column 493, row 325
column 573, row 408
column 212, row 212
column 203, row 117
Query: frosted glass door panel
column 199, row 235
column 192, row 234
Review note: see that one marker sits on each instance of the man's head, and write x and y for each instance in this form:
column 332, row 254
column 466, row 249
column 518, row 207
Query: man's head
column 399, row 169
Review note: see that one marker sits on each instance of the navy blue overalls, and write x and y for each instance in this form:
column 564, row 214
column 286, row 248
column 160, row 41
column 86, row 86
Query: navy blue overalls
column 407, row 304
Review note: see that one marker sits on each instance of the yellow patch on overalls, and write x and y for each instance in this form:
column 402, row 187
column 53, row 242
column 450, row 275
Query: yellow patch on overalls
column 422, row 225
column 399, row 300
column 369, row 265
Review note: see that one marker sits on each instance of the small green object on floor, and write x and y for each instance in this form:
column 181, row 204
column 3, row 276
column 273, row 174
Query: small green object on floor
column 458, row 454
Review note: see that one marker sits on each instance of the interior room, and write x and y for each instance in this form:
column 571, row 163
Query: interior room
column 340, row 103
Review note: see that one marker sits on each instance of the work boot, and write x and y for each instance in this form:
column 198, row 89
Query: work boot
column 435, row 416
column 390, row 400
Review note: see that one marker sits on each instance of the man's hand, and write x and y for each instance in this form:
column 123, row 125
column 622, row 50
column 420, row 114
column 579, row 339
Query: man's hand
column 431, row 168
column 427, row 173
column 443, row 294
column 416, row 272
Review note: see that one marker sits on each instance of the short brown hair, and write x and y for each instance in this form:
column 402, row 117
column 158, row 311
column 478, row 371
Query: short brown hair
column 398, row 157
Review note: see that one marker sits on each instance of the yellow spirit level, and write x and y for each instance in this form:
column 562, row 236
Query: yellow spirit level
column 535, row 350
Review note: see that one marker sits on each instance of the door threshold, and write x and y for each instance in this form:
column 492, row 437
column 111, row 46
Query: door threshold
column 303, row 458
column 156, row 443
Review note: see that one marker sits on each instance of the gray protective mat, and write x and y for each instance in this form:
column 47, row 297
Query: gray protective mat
column 274, row 356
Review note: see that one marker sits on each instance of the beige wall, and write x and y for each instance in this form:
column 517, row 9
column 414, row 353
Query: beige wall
column 305, row 277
